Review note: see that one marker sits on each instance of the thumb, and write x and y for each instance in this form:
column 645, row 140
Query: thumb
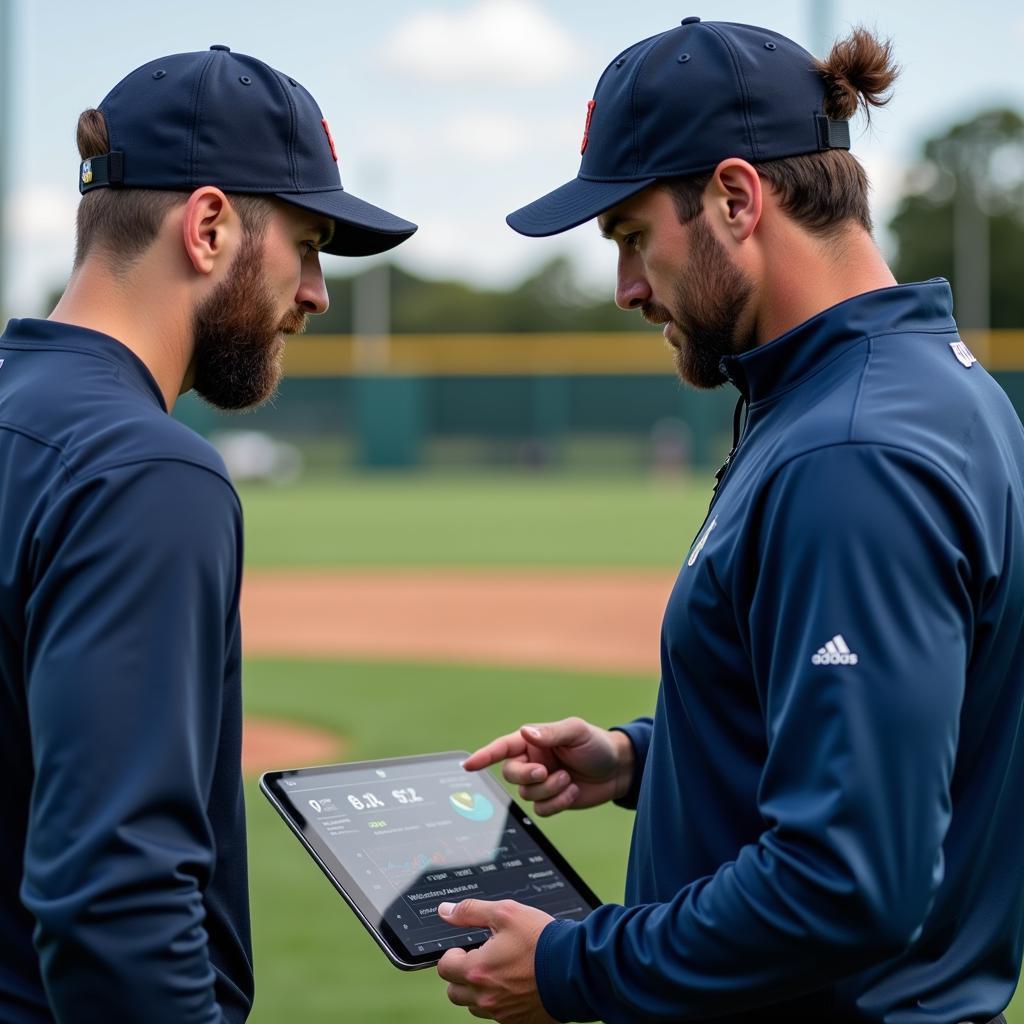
column 469, row 913
column 569, row 732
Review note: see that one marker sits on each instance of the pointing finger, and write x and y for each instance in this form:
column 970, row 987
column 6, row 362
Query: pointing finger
column 569, row 732
column 504, row 747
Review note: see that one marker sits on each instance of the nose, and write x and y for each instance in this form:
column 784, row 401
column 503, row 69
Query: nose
column 631, row 288
column 312, row 294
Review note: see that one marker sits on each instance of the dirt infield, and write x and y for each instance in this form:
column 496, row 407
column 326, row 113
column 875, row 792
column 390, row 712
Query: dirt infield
column 596, row 621
column 268, row 744
column 604, row 621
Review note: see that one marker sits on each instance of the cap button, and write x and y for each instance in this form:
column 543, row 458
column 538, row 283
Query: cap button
column 221, row 46
column 692, row 20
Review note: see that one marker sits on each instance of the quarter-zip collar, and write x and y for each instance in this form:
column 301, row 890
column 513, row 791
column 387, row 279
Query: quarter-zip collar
column 785, row 361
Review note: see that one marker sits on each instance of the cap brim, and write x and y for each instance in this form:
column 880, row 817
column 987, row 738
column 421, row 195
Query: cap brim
column 360, row 229
column 575, row 203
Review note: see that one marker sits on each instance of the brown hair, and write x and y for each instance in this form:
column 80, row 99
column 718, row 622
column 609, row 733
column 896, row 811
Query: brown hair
column 820, row 191
column 123, row 222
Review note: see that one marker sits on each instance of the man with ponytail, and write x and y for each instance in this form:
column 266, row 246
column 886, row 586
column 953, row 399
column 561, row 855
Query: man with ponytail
column 210, row 186
column 827, row 793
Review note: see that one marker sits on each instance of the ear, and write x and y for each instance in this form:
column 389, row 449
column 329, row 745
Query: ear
column 210, row 229
column 734, row 196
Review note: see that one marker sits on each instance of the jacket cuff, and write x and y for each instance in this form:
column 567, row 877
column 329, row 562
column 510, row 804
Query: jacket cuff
column 550, row 960
column 639, row 734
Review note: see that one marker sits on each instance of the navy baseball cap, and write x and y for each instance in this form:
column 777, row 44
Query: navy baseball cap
column 227, row 119
column 679, row 103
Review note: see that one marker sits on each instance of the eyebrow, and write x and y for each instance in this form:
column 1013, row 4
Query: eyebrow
column 609, row 226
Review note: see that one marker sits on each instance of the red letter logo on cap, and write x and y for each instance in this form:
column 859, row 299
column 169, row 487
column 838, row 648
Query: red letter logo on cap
column 586, row 128
column 330, row 138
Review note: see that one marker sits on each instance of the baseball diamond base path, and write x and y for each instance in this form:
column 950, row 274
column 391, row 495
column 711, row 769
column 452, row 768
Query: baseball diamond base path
column 591, row 620
column 604, row 621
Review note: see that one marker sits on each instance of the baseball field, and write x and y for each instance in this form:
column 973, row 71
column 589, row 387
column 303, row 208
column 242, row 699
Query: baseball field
column 398, row 615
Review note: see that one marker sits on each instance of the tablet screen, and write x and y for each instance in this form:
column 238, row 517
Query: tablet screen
column 398, row 837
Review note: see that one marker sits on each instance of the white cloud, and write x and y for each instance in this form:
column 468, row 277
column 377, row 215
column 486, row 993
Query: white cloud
column 488, row 138
column 503, row 41
column 478, row 136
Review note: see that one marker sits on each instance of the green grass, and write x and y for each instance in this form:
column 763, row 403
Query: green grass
column 511, row 519
column 314, row 961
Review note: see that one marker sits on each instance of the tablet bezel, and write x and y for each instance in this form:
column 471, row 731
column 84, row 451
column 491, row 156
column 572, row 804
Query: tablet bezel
column 372, row 919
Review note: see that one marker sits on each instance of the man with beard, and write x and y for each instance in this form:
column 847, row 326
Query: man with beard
column 210, row 186
column 827, row 793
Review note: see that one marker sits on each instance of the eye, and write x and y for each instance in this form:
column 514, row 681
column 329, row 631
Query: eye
column 307, row 249
column 632, row 240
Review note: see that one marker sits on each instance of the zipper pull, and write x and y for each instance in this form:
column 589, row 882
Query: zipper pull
column 720, row 475
column 724, row 468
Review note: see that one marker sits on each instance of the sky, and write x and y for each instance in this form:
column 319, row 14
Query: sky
column 452, row 113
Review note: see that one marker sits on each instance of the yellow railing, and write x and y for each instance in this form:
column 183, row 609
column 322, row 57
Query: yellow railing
column 470, row 355
column 997, row 350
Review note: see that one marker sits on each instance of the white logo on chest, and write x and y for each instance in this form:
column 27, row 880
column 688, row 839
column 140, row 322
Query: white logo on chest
column 835, row 652
column 699, row 546
column 963, row 353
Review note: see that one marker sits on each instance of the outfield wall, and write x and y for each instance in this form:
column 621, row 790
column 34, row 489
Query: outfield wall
column 537, row 399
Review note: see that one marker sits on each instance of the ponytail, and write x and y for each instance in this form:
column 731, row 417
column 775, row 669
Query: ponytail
column 859, row 72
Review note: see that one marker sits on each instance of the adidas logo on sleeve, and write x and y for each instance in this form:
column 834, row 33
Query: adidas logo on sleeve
column 835, row 652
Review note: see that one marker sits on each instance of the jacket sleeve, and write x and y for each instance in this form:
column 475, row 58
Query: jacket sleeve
column 129, row 625
column 857, row 543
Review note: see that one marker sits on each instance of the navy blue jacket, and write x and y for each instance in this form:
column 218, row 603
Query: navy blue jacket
column 123, row 890
column 828, row 796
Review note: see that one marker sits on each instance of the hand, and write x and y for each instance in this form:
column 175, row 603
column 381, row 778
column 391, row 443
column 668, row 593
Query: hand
column 561, row 765
column 496, row 981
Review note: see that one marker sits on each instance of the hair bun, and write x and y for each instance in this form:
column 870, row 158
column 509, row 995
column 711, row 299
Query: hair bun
column 859, row 71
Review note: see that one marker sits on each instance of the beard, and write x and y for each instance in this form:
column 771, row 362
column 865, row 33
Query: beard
column 707, row 307
column 238, row 338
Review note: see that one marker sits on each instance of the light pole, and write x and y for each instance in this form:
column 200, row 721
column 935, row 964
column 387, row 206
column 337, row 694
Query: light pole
column 823, row 19
column 371, row 300
column 971, row 255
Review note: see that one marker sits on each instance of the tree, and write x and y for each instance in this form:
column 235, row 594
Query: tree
column 962, row 218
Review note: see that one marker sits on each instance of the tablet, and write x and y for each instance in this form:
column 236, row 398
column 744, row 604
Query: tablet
column 398, row 837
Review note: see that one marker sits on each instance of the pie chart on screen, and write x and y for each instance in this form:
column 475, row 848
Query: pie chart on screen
column 474, row 806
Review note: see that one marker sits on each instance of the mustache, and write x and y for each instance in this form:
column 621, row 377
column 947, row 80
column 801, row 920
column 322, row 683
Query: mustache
column 655, row 314
column 293, row 323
